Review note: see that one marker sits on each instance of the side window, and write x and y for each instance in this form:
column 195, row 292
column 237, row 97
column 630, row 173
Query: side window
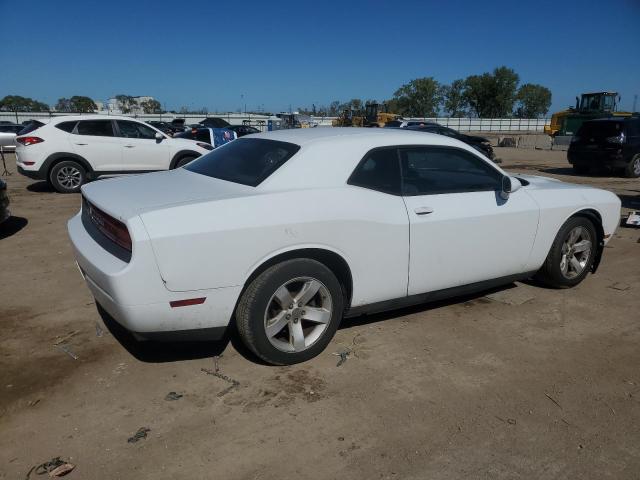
column 135, row 130
column 203, row 136
column 66, row 126
column 379, row 170
column 97, row 128
column 433, row 170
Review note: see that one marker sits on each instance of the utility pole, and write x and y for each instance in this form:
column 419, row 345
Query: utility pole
column 635, row 102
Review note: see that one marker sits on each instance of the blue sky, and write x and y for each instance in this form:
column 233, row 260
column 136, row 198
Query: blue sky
column 280, row 53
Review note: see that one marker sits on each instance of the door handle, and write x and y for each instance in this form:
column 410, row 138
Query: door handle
column 129, row 146
column 423, row 210
column 81, row 144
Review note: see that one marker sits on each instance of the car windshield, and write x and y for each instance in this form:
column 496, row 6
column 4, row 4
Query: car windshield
column 248, row 161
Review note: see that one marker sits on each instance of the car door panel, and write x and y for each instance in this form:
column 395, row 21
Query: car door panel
column 461, row 230
column 94, row 141
column 140, row 149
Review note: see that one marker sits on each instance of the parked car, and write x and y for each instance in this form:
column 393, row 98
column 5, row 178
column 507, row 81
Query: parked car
column 242, row 130
column 70, row 150
column 286, row 232
column 164, row 127
column 8, row 135
column 479, row 143
column 407, row 123
column 608, row 142
column 213, row 136
column 214, row 122
column 4, row 202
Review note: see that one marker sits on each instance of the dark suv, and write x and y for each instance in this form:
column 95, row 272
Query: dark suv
column 607, row 142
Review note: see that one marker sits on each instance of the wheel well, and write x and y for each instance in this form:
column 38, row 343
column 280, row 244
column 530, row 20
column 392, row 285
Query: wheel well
column 329, row 259
column 596, row 219
column 53, row 161
column 180, row 155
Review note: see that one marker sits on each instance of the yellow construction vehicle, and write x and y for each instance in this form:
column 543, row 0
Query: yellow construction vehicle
column 589, row 106
column 374, row 115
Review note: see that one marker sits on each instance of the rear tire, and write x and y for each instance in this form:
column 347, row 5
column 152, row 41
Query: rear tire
column 571, row 255
column 67, row 176
column 290, row 312
column 632, row 170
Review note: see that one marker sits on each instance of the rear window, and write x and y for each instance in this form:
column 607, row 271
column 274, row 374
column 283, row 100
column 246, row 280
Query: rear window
column 67, row 126
column 600, row 129
column 247, row 161
column 30, row 127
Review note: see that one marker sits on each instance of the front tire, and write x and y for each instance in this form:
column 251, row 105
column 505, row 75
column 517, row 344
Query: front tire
column 184, row 160
column 67, row 176
column 571, row 255
column 290, row 312
column 632, row 170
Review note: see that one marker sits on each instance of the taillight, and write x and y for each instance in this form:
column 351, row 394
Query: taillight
column 26, row 141
column 113, row 229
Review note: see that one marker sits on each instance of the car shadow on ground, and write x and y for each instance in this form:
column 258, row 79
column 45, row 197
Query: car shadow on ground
column 160, row 352
column 40, row 187
column 11, row 226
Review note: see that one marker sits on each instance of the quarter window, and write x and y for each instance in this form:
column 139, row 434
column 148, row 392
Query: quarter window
column 97, row 128
column 379, row 170
column 135, row 130
column 66, row 126
column 434, row 170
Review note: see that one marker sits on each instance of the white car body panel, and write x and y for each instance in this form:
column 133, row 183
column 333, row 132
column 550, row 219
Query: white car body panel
column 196, row 236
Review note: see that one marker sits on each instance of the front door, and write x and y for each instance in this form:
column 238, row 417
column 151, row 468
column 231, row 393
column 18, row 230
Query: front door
column 461, row 231
column 141, row 150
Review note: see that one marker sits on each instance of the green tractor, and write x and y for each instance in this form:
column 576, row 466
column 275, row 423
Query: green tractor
column 588, row 107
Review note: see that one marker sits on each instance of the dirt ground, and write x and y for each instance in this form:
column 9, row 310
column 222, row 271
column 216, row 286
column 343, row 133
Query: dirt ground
column 524, row 383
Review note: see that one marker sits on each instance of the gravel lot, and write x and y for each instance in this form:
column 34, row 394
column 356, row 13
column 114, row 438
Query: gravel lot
column 524, row 383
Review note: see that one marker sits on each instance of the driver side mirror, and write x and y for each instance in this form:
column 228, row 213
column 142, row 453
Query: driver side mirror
column 509, row 185
column 159, row 137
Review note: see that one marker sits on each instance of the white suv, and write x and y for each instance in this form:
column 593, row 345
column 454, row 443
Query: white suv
column 70, row 150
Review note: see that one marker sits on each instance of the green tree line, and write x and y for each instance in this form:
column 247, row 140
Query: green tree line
column 496, row 94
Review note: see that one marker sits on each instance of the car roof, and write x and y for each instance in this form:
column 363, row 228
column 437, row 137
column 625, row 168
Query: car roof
column 611, row 119
column 347, row 135
column 75, row 118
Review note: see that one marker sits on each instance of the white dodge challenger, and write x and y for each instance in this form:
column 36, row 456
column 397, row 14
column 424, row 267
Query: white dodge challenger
column 285, row 233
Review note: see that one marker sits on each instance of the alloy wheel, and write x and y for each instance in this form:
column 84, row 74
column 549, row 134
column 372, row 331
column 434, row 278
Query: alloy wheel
column 636, row 166
column 69, row 177
column 297, row 314
column 576, row 252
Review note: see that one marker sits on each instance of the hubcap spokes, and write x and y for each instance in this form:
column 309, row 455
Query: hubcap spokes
column 69, row 177
column 297, row 314
column 636, row 166
column 576, row 251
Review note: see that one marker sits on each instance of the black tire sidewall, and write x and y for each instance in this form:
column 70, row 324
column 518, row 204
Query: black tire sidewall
column 184, row 161
column 272, row 279
column 53, row 180
column 555, row 255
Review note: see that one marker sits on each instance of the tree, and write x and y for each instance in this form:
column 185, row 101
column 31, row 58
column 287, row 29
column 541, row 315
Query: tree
column 81, row 104
column 419, row 98
column 153, row 106
column 63, row 105
column 492, row 95
column 455, row 103
column 16, row 103
column 533, row 101
column 334, row 108
column 126, row 102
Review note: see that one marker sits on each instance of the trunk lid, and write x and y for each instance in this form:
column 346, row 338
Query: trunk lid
column 125, row 197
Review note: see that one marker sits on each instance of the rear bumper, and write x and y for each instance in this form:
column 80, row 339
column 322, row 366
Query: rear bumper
column 608, row 158
column 33, row 174
column 133, row 292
